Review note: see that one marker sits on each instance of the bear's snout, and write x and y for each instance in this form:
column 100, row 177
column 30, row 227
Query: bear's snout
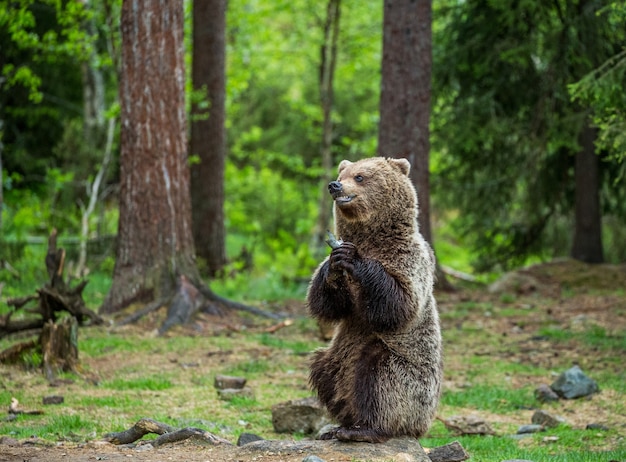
column 335, row 187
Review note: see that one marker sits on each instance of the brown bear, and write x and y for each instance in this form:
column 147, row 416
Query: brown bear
column 381, row 375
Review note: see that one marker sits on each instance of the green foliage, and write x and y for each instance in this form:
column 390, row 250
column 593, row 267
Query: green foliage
column 504, row 132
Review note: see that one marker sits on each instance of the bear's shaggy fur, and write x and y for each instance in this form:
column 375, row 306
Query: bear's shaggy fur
column 381, row 375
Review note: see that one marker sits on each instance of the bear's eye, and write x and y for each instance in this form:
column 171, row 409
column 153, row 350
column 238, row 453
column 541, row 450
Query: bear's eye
column 358, row 178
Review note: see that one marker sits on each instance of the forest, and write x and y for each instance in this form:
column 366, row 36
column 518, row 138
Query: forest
column 176, row 154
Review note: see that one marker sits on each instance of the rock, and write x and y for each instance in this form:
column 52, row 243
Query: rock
column 312, row 459
column 325, row 429
column 406, row 449
column 53, row 399
column 573, row 383
column 8, row 441
column 545, row 394
column 229, row 393
column 299, row 416
column 468, row 425
column 223, row 382
column 546, row 420
column 514, row 283
column 596, row 426
column 529, row 429
column 451, row 452
column 246, row 438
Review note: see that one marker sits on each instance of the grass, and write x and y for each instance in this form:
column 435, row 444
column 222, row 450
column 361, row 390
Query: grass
column 491, row 371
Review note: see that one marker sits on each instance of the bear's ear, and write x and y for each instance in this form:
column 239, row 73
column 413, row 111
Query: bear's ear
column 343, row 164
column 401, row 164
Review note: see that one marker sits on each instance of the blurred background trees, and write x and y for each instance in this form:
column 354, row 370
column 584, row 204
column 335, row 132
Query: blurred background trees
column 526, row 133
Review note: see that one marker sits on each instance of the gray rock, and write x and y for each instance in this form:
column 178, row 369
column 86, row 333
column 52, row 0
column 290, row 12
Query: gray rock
column 514, row 283
column 401, row 449
column 573, row 383
column 246, row 438
column 545, row 419
column 229, row 393
column 545, row 394
column 596, row 426
column 299, row 416
column 223, row 382
column 529, row 429
column 325, row 429
column 53, row 399
column 312, row 459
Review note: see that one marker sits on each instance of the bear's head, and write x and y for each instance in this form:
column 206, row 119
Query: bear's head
column 377, row 188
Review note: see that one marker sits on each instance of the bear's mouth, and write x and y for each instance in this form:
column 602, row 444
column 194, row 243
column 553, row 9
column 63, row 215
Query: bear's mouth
column 343, row 199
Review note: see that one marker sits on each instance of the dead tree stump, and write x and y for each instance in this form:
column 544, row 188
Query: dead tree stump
column 56, row 300
column 59, row 347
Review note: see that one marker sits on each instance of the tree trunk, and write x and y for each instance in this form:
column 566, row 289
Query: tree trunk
column 155, row 259
column 405, row 97
column 208, row 134
column 327, row 73
column 405, row 93
column 587, row 245
column 154, row 238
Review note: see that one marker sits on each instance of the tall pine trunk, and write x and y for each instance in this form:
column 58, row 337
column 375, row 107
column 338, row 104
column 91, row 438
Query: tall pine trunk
column 155, row 242
column 208, row 133
column 405, row 93
column 587, row 245
column 405, row 98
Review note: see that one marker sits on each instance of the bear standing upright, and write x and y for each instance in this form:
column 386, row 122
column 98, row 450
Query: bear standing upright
column 381, row 375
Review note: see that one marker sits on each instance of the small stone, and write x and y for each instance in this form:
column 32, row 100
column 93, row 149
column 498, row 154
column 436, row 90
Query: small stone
column 246, row 438
column 223, row 382
column 545, row 419
column 299, row 416
column 325, row 429
column 53, row 399
column 573, row 383
column 8, row 441
column 545, row 394
column 229, row 393
column 312, row 459
column 529, row 429
column 596, row 426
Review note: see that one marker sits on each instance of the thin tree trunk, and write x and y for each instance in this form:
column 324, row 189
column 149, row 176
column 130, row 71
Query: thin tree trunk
column 327, row 74
column 208, row 134
column 1, row 196
column 587, row 245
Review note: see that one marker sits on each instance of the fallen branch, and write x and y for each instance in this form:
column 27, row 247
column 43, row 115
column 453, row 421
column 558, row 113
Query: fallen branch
column 196, row 434
column 14, row 409
column 168, row 434
column 280, row 325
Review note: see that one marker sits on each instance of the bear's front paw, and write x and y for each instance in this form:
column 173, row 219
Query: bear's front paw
column 342, row 259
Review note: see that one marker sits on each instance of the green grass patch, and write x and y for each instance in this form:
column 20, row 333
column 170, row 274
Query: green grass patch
column 489, row 398
column 593, row 336
column 294, row 346
column 572, row 446
column 154, row 383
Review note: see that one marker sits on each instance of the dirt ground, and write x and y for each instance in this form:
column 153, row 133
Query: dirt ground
column 565, row 294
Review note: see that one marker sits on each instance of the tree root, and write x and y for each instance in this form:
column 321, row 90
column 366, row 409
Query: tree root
column 167, row 434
